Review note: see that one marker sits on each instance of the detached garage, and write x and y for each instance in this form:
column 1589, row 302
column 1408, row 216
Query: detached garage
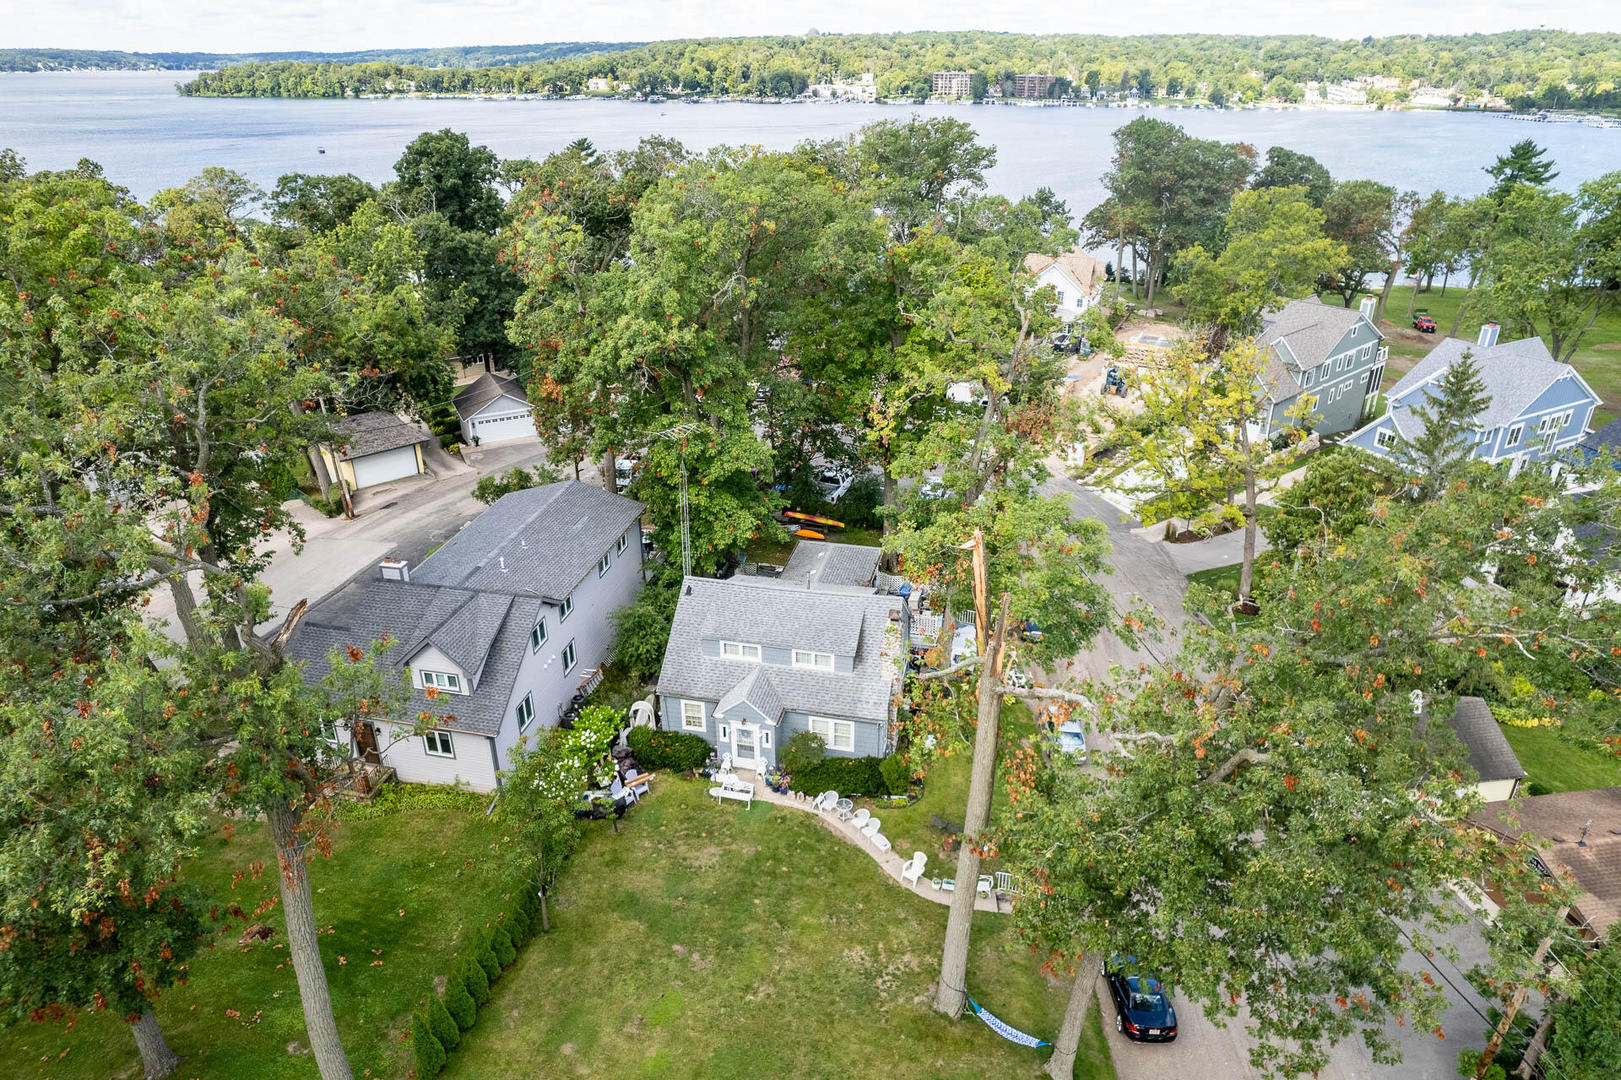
column 493, row 408
column 374, row 448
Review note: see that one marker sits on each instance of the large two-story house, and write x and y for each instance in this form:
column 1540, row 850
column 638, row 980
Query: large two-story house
column 1323, row 366
column 498, row 628
column 753, row 661
column 1539, row 408
column 1076, row 278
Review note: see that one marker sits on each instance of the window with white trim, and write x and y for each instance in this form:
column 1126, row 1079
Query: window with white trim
column 692, row 716
column 1307, row 381
column 821, row 661
column 568, row 658
column 566, row 608
column 1514, row 434
column 765, row 736
column 739, row 650
column 537, row 634
column 526, row 711
column 1322, row 372
column 439, row 744
column 443, row 680
column 837, row 734
column 603, row 564
column 622, row 543
column 1384, row 438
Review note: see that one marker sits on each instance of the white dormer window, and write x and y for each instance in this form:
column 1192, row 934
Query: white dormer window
column 1307, row 381
column 442, row 680
column 566, row 608
column 1384, row 438
column 622, row 544
column 603, row 564
column 821, row 661
column 738, row 650
column 537, row 635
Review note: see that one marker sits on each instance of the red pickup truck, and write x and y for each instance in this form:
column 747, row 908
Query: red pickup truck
column 1423, row 323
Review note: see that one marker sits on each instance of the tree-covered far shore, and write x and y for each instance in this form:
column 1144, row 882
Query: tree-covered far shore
column 1527, row 69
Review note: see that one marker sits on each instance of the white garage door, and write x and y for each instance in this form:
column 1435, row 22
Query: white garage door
column 516, row 425
column 389, row 465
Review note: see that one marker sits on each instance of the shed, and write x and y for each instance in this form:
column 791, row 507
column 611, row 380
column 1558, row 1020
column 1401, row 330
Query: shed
column 1489, row 752
column 493, row 408
column 374, row 448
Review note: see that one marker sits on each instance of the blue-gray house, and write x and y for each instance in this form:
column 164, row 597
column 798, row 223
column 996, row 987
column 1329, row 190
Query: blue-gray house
column 1539, row 407
column 753, row 661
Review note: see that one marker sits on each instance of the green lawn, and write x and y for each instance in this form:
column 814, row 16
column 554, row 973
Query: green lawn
column 719, row 942
column 1554, row 765
column 399, row 893
column 1223, row 579
column 763, row 550
column 1598, row 360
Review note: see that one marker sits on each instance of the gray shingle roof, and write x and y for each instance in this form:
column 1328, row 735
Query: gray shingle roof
column 1515, row 373
column 1310, row 328
column 1607, row 437
column 1489, row 752
column 547, row 538
column 374, row 433
column 485, row 389
column 478, row 632
column 745, row 607
column 1278, row 381
column 758, row 690
column 819, row 563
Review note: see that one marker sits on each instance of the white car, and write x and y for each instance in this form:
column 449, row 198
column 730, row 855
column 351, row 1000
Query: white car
column 625, row 470
column 834, row 483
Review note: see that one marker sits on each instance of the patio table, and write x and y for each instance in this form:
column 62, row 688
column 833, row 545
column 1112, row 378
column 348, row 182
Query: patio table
column 844, row 806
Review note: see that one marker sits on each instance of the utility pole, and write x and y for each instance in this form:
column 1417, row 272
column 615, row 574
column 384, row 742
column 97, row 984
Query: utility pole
column 1517, row 999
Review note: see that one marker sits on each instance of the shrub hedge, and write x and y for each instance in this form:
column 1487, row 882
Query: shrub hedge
column 501, row 942
column 443, row 1024
column 430, row 1055
column 897, row 774
column 458, row 1002
column 845, row 775
column 478, row 983
column 675, row 750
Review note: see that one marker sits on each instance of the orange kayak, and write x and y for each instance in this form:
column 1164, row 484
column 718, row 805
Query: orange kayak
column 795, row 514
column 810, row 534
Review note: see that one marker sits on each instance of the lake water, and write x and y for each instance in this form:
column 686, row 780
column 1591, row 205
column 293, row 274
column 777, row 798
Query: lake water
column 148, row 137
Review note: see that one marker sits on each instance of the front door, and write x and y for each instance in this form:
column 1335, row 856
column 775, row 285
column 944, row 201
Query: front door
column 746, row 747
column 366, row 743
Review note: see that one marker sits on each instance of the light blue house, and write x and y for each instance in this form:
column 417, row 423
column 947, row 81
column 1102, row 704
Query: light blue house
column 1539, row 407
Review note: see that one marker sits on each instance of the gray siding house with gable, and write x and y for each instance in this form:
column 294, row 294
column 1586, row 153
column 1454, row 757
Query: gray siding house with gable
column 1323, row 366
column 1539, row 408
column 751, row 662
column 504, row 623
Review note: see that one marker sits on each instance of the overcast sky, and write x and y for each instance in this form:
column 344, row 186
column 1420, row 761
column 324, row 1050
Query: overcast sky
column 339, row 25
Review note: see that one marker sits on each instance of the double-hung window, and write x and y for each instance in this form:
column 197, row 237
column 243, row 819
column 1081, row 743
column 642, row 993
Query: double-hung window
column 442, row 680
column 622, row 544
column 603, row 564
column 1384, row 438
column 821, row 661
column 739, row 650
column 526, row 711
column 837, row 734
column 1514, row 434
column 692, row 716
column 537, row 634
column 439, row 744
column 568, row 658
column 566, row 608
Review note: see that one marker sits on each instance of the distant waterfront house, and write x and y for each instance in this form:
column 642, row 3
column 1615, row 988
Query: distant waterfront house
column 493, row 408
column 374, row 448
column 752, row 662
column 504, row 623
column 1075, row 277
column 1539, row 407
column 1323, row 366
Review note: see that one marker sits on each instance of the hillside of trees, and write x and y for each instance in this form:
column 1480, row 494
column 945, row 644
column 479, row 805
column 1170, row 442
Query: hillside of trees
column 1531, row 69
column 472, row 56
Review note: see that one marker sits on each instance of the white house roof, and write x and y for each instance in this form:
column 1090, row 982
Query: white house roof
column 1516, row 373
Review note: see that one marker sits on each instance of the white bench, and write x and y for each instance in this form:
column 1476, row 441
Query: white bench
column 743, row 793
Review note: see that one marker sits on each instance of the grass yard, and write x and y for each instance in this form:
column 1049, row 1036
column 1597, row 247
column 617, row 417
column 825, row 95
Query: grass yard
column 724, row 942
column 399, row 893
column 1223, row 579
column 1598, row 360
column 1554, row 765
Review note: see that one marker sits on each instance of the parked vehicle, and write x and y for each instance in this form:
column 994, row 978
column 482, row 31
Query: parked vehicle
column 625, row 470
column 1142, row 1006
column 1422, row 322
column 834, row 483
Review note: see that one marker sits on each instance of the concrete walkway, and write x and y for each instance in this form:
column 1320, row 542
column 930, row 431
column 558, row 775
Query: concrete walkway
column 891, row 862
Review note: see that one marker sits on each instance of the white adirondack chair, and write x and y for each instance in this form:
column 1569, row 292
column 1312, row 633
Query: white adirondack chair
column 987, row 886
column 913, row 870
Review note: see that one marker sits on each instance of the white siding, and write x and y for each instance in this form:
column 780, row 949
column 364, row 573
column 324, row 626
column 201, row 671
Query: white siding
column 429, row 658
column 1496, row 790
column 471, row 767
column 499, row 420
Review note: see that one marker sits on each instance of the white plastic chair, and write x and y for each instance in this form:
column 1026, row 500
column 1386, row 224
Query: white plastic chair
column 1004, row 882
column 619, row 791
column 860, row 817
column 881, row 842
column 987, row 886
column 870, row 827
column 726, row 763
column 912, row 871
column 827, row 800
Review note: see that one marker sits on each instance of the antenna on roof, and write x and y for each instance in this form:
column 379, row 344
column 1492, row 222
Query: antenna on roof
column 1583, row 841
column 503, row 564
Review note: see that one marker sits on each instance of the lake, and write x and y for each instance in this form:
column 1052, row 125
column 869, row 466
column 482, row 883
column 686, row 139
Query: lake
column 148, row 137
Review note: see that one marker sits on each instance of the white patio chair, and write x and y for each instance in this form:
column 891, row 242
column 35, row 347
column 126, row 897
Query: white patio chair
column 826, row 801
column 870, row 827
column 619, row 791
column 987, row 886
column 880, row 841
column 912, row 871
column 726, row 763
column 1004, row 883
column 860, row 817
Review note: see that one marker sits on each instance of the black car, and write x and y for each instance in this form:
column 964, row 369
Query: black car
column 1142, row 1006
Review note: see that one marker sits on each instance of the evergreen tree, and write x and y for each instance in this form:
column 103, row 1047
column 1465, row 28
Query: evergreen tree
column 1434, row 455
column 1525, row 163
